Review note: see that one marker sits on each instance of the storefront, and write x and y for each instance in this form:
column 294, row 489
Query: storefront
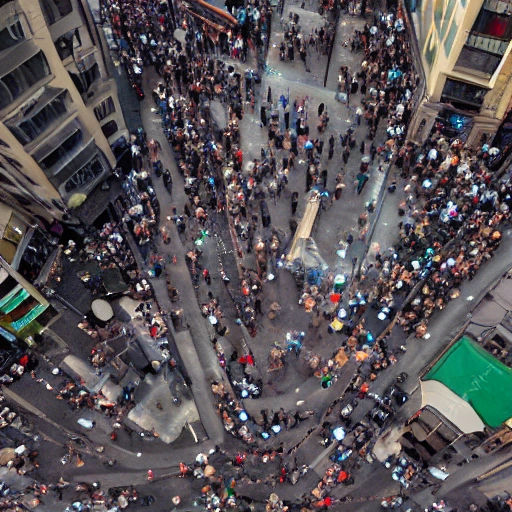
column 471, row 383
column 23, row 310
column 462, row 404
column 453, row 124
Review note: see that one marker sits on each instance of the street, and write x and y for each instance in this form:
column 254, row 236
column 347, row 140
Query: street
column 228, row 376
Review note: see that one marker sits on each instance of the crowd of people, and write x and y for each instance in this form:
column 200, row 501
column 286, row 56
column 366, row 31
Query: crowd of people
column 450, row 220
column 319, row 40
column 141, row 207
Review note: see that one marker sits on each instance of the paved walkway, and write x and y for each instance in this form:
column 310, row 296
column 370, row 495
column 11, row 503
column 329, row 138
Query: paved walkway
column 193, row 343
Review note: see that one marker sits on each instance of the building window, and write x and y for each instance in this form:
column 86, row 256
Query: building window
column 463, row 95
column 109, row 128
column 83, row 81
column 104, row 109
column 64, row 151
column 488, row 40
column 493, row 24
column 54, row 10
column 30, row 129
column 67, row 43
column 14, row 230
column 11, row 35
column 14, row 84
column 58, row 205
column 21, row 199
column 478, row 60
column 85, row 175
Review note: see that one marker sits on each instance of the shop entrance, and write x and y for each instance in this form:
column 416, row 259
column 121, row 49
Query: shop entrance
column 453, row 125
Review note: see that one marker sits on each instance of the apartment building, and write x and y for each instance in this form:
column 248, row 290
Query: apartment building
column 464, row 47
column 61, row 124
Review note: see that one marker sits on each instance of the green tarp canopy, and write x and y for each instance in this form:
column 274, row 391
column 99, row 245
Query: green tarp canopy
column 478, row 378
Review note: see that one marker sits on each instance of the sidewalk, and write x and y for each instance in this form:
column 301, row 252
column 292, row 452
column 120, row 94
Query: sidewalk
column 193, row 344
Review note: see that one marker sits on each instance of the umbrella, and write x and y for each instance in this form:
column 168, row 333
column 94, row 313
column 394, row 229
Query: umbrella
column 339, row 433
column 102, row 310
column 342, row 313
column 374, row 30
column 6, row 454
column 339, row 279
column 382, row 316
column 494, row 151
column 366, row 159
column 179, row 34
column 308, row 145
column 76, row 200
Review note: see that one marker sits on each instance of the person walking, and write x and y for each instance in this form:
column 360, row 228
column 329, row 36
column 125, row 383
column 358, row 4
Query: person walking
column 346, row 154
column 295, row 202
column 257, row 306
column 361, row 182
column 324, row 178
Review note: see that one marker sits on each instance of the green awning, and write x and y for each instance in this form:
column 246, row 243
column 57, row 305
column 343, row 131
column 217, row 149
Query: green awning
column 478, row 378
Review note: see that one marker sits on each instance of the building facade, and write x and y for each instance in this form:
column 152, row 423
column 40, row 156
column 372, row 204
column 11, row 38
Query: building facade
column 61, row 122
column 28, row 255
column 465, row 51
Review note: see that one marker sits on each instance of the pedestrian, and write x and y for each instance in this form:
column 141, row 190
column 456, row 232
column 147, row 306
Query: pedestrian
column 151, row 475
column 346, row 154
column 324, row 178
column 295, row 202
column 207, row 277
column 293, row 226
column 359, row 114
column 361, row 182
column 257, row 306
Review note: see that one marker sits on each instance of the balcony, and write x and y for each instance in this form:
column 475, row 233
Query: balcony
column 54, row 10
column 463, row 95
column 487, row 43
column 11, row 34
column 19, row 81
column 477, row 62
column 56, row 152
column 36, row 118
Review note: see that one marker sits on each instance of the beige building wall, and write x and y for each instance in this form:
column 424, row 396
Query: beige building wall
column 451, row 51
column 80, row 165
